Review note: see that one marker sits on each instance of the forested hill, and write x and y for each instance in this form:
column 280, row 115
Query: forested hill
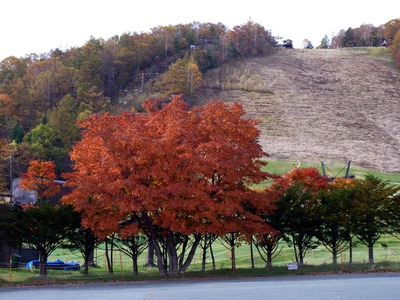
column 330, row 105
column 313, row 104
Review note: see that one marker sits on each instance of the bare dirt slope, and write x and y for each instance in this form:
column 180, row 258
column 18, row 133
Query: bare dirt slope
column 317, row 105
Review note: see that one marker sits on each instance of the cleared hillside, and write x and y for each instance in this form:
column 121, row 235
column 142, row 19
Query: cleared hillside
column 318, row 105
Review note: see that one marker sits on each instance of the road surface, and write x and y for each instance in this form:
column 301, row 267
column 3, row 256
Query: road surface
column 360, row 286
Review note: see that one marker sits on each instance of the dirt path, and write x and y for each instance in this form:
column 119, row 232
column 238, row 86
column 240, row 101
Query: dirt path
column 318, row 105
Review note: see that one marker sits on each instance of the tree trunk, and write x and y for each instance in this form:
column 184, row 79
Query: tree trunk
column 370, row 252
column 212, row 257
column 172, row 255
column 161, row 265
column 203, row 259
column 135, row 265
column 334, row 253
column 269, row 255
column 87, row 255
column 43, row 263
column 192, row 252
column 301, row 257
column 233, row 258
column 161, row 260
column 295, row 249
column 110, row 261
column 86, row 268
column 301, row 251
column 150, row 254
column 183, row 253
column 351, row 251
column 251, row 254
column 86, row 264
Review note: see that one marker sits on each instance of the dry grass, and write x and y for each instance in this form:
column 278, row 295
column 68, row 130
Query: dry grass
column 318, row 105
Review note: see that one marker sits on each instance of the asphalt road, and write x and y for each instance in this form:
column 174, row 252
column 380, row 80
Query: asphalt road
column 360, row 286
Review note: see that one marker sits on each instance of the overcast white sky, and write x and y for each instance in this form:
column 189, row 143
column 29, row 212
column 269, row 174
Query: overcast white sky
column 38, row 26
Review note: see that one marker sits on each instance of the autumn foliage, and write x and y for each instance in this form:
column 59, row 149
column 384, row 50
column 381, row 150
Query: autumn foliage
column 296, row 210
column 309, row 178
column 172, row 170
column 40, row 178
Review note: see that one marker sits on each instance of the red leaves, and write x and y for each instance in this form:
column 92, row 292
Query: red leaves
column 40, row 178
column 309, row 178
column 187, row 169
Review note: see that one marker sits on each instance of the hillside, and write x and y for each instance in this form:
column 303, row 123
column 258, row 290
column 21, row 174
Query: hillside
column 318, row 105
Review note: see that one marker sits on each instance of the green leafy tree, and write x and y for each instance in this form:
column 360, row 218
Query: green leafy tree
column 372, row 208
column 183, row 77
column 335, row 231
column 62, row 120
column 300, row 219
column 132, row 246
column 267, row 243
column 348, row 38
column 44, row 145
column 11, row 231
column 81, row 239
column 44, row 229
column 94, row 100
column 88, row 62
column 12, row 67
column 298, row 207
column 325, row 43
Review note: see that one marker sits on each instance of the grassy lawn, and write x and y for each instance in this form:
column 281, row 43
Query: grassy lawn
column 316, row 261
column 282, row 167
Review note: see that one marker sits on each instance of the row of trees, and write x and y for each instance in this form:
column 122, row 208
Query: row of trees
column 310, row 210
column 387, row 34
column 306, row 211
column 181, row 177
column 365, row 35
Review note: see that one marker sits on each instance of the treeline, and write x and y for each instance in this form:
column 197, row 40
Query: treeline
column 301, row 208
column 178, row 179
column 387, row 34
column 43, row 95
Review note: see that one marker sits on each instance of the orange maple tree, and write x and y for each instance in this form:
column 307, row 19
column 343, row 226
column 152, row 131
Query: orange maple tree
column 295, row 214
column 40, row 178
column 310, row 178
column 172, row 173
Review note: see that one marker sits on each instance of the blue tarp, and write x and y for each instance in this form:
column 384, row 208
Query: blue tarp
column 56, row 265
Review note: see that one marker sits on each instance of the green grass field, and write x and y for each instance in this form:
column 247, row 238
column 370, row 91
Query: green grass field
column 316, row 261
column 282, row 167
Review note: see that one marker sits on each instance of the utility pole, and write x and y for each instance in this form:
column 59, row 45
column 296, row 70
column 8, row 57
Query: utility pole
column 143, row 78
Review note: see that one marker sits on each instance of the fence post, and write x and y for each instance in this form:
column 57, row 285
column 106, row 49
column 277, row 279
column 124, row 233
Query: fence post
column 120, row 259
column 10, row 269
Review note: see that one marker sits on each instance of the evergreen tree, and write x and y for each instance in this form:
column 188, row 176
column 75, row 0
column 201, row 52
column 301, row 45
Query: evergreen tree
column 325, row 43
column 348, row 38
